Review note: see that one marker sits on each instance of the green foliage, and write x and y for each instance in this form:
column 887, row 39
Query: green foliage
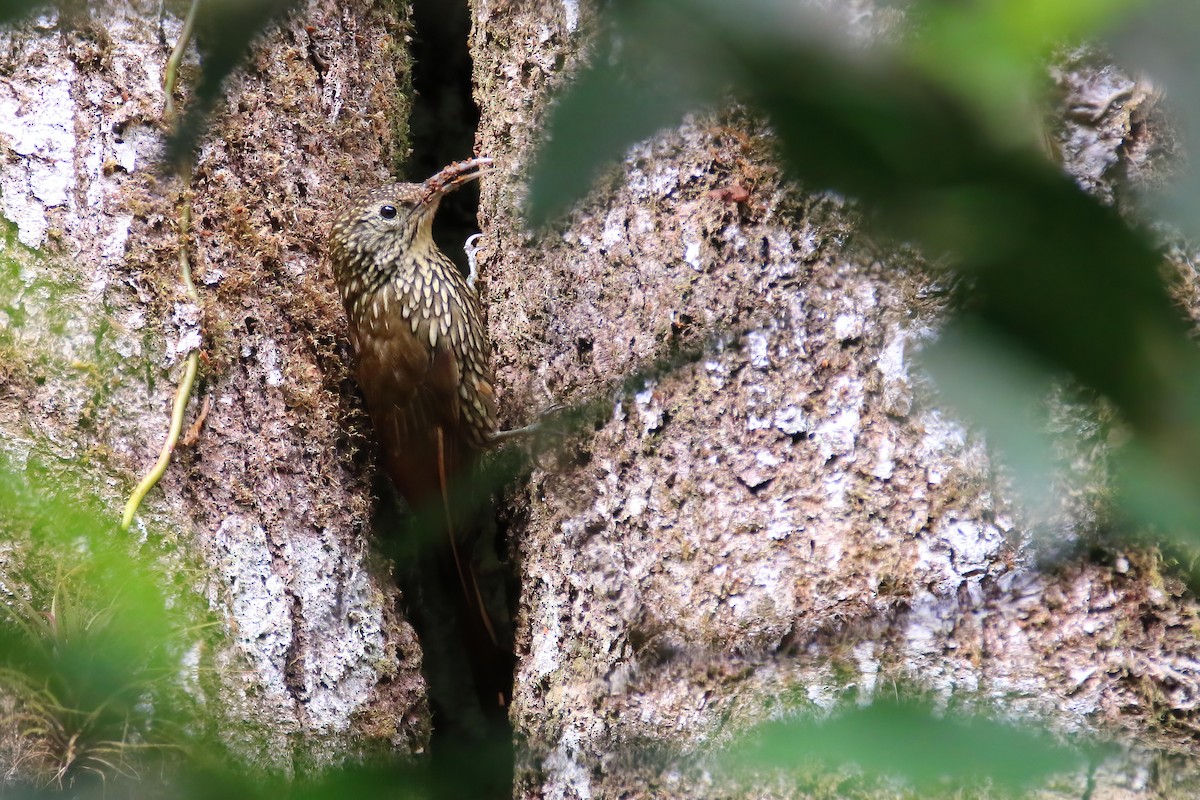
column 929, row 750
column 937, row 137
column 13, row 10
column 1160, row 43
column 92, row 656
column 990, row 54
column 88, row 647
column 78, row 686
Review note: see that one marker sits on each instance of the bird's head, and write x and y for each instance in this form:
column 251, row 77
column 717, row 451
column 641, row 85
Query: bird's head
column 384, row 227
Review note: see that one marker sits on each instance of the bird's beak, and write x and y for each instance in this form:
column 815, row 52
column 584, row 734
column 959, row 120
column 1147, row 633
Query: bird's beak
column 454, row 176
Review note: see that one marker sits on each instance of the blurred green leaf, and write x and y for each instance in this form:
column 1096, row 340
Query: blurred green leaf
column 1005, row 392
column 13, row 10
column 1159, row 44
column 1056, row 277
column 910, row 741
column 993, row 53
column 89, row 648
column 619, row 100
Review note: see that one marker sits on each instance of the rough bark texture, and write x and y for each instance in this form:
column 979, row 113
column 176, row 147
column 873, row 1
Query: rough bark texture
column 785, row 521
column 272, row 501
column 788, row 520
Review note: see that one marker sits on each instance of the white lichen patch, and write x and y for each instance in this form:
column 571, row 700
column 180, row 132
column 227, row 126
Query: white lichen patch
column 185, row 319
column 270, row 356
column 790, row 420
column 956, row 552
column 335, row 611
column 636, row 501
column 545, row 652
column 258, row 606
column 566, row 776
column 847, row 327
column 893, row 370
column 614, row 230
column 571, row 14
column 112, row 247
column 649, row 408
column 718, row 372
column 837, row 433
column 885, row 465
column 868, row 670
column 37, row 134
column 783, row 523
column 758, row 348
column 943, row 435
column 343, row 624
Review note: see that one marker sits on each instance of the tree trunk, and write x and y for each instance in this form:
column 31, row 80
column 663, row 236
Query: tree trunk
column 779, row 518
column 272, row 500
column 786, row 519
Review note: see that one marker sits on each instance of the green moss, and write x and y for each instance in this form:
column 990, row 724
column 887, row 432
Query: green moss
column 398, row 54
column 92, row 628
column 41, row 308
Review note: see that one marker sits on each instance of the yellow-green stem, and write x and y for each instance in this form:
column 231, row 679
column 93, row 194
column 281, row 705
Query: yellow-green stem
column 182, row 395
column 171, row 75
column 184, row 391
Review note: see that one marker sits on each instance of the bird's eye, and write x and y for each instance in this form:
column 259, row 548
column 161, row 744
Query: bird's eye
column 387, row 212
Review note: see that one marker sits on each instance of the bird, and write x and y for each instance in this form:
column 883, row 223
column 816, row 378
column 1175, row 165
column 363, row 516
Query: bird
column 417, row 329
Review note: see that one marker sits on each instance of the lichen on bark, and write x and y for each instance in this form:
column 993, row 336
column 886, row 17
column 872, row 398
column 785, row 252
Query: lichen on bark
column 273, row 498
column 788, row 520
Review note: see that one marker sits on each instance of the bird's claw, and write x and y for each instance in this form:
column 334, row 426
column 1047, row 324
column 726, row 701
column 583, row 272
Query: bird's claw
column 543, row 427
column 471, row 248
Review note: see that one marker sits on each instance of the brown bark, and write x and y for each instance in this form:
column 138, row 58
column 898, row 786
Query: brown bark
column 769, row 527
column 272, row 501
column 789, row 519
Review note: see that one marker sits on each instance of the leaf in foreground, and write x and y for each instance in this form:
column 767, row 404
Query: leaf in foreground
column 908, row 740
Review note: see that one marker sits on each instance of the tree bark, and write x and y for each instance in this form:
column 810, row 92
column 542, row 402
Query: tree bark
column 789, row 519
column 780, row 522
column 269, row 507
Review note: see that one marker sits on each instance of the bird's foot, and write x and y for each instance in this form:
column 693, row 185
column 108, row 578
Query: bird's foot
column 471, row 248
column 549, row 425
column 542, row 426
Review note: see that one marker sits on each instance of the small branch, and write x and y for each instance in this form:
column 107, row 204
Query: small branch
column 184, row 391
column 171, row 76
column 193, row 435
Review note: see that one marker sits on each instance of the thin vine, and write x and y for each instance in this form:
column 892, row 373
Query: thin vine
column 183, row 393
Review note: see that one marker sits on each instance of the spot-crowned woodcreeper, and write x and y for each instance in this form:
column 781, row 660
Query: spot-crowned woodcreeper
column 423, row 354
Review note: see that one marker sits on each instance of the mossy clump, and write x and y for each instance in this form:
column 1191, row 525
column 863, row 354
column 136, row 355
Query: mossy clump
column 91, row 646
